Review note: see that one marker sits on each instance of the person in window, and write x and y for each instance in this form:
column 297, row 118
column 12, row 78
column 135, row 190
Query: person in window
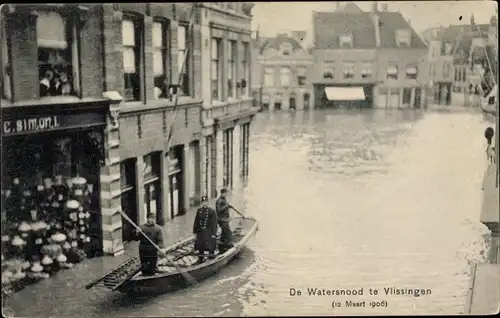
column 205, row 229
column 46, row 84
column 62, row 83
column 148, row 253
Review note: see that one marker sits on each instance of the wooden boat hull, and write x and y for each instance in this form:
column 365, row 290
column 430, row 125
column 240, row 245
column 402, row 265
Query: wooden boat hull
column 131, row 281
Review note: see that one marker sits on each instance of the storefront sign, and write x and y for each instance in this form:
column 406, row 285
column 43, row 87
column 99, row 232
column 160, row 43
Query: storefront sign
column 34, row 124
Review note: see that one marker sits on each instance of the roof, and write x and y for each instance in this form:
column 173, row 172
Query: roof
column 349, row 7
column 389, row 23
column 276, row 42
column 329, row 26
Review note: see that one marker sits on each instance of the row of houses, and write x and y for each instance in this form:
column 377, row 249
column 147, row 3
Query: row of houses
column 357, row 59
column 463, row 60
column 90, row 91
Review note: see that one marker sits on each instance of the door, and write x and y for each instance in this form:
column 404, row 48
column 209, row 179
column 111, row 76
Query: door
column 128, row 206
column 306, row 101
column 174, row 196
column 382, row 101
column 277, row 106
column 292, row 103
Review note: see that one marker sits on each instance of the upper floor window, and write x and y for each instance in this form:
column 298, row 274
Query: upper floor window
column 285, row 76
column 58, row 63
column 366, row 71
column 184, row 58
column 328, row 73
column 245, row 66
column 392, row 72
column 215, row 69
column 286, row 49
column 231, row 69
column 447, row 49
column 5, row 78
column 345, row 41
column 131, row 41
column 268, row 77
column 348, row 70
column 161, row 69
column 411, row 72
column 403, row 38
column 301, row 76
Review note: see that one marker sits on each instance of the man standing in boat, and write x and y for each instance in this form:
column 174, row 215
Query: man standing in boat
column 205, row 229
column 148, row 253
column 222, row 208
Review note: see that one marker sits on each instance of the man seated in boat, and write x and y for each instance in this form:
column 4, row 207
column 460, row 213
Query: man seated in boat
column 222, row 207
column 148, row 253
column 205, row 229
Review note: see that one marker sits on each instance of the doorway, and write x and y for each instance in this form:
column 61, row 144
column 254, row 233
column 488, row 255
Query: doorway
column 128, row 198
column 306, row 100
column 277, row 105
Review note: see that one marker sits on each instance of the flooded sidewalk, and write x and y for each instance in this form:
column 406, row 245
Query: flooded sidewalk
column 47, row 297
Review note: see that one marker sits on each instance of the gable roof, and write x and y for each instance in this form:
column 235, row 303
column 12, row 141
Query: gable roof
column 276, row 42
column 389, row 23
column 329, row 26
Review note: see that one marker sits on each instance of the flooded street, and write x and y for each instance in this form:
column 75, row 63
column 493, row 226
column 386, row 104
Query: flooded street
column 345, row 200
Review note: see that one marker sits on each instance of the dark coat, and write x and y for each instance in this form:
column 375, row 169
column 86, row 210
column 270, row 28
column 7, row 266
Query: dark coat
column 222, row 208
column 154, row 232
column 205, row 228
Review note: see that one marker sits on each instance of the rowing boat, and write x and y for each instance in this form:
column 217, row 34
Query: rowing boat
column 127, row 277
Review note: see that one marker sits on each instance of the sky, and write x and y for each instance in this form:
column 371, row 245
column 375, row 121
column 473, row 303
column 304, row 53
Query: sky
column 281, row 17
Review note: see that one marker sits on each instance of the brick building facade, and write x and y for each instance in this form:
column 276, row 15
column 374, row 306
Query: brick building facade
column 112, row 74
column 367, row 59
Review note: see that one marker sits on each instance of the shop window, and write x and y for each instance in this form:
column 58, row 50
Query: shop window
column 231, row 69
column 5, row 78
column 58, row 60
column 132, row 51
column 245, row 67
column 184, row 56
column 161, row 58
column 152, row 185
column 215, row 70
column 227, row 150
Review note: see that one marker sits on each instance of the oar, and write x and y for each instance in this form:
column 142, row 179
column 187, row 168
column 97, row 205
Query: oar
column 232, row 207
column 187, row 276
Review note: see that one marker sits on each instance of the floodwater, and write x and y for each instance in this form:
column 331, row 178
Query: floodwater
column 346, row 200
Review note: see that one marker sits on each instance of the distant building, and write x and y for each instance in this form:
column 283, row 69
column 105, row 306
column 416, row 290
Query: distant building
column 283, row 67
column 458, row 61
column 367, row 59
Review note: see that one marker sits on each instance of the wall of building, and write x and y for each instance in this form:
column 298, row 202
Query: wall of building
column 402, row 58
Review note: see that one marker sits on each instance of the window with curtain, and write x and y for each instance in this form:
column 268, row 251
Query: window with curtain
column 348, row 70
column 285, row 76
column 328, row 73
column 245, row 69
column 367, row 70
column 184, row 54
column 392, row 72
column 152, row 185
column 5, row 79
column 131, row 43
column 58, row 61
column 231, row 69
column 411, row 72
column 161, row 60
column 215, row 69
column 269, row 77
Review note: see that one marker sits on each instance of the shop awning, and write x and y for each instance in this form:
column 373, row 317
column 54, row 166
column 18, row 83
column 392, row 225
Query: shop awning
column 345, row 93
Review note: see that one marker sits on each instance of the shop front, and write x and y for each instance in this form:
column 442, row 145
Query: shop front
column 51, row 163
